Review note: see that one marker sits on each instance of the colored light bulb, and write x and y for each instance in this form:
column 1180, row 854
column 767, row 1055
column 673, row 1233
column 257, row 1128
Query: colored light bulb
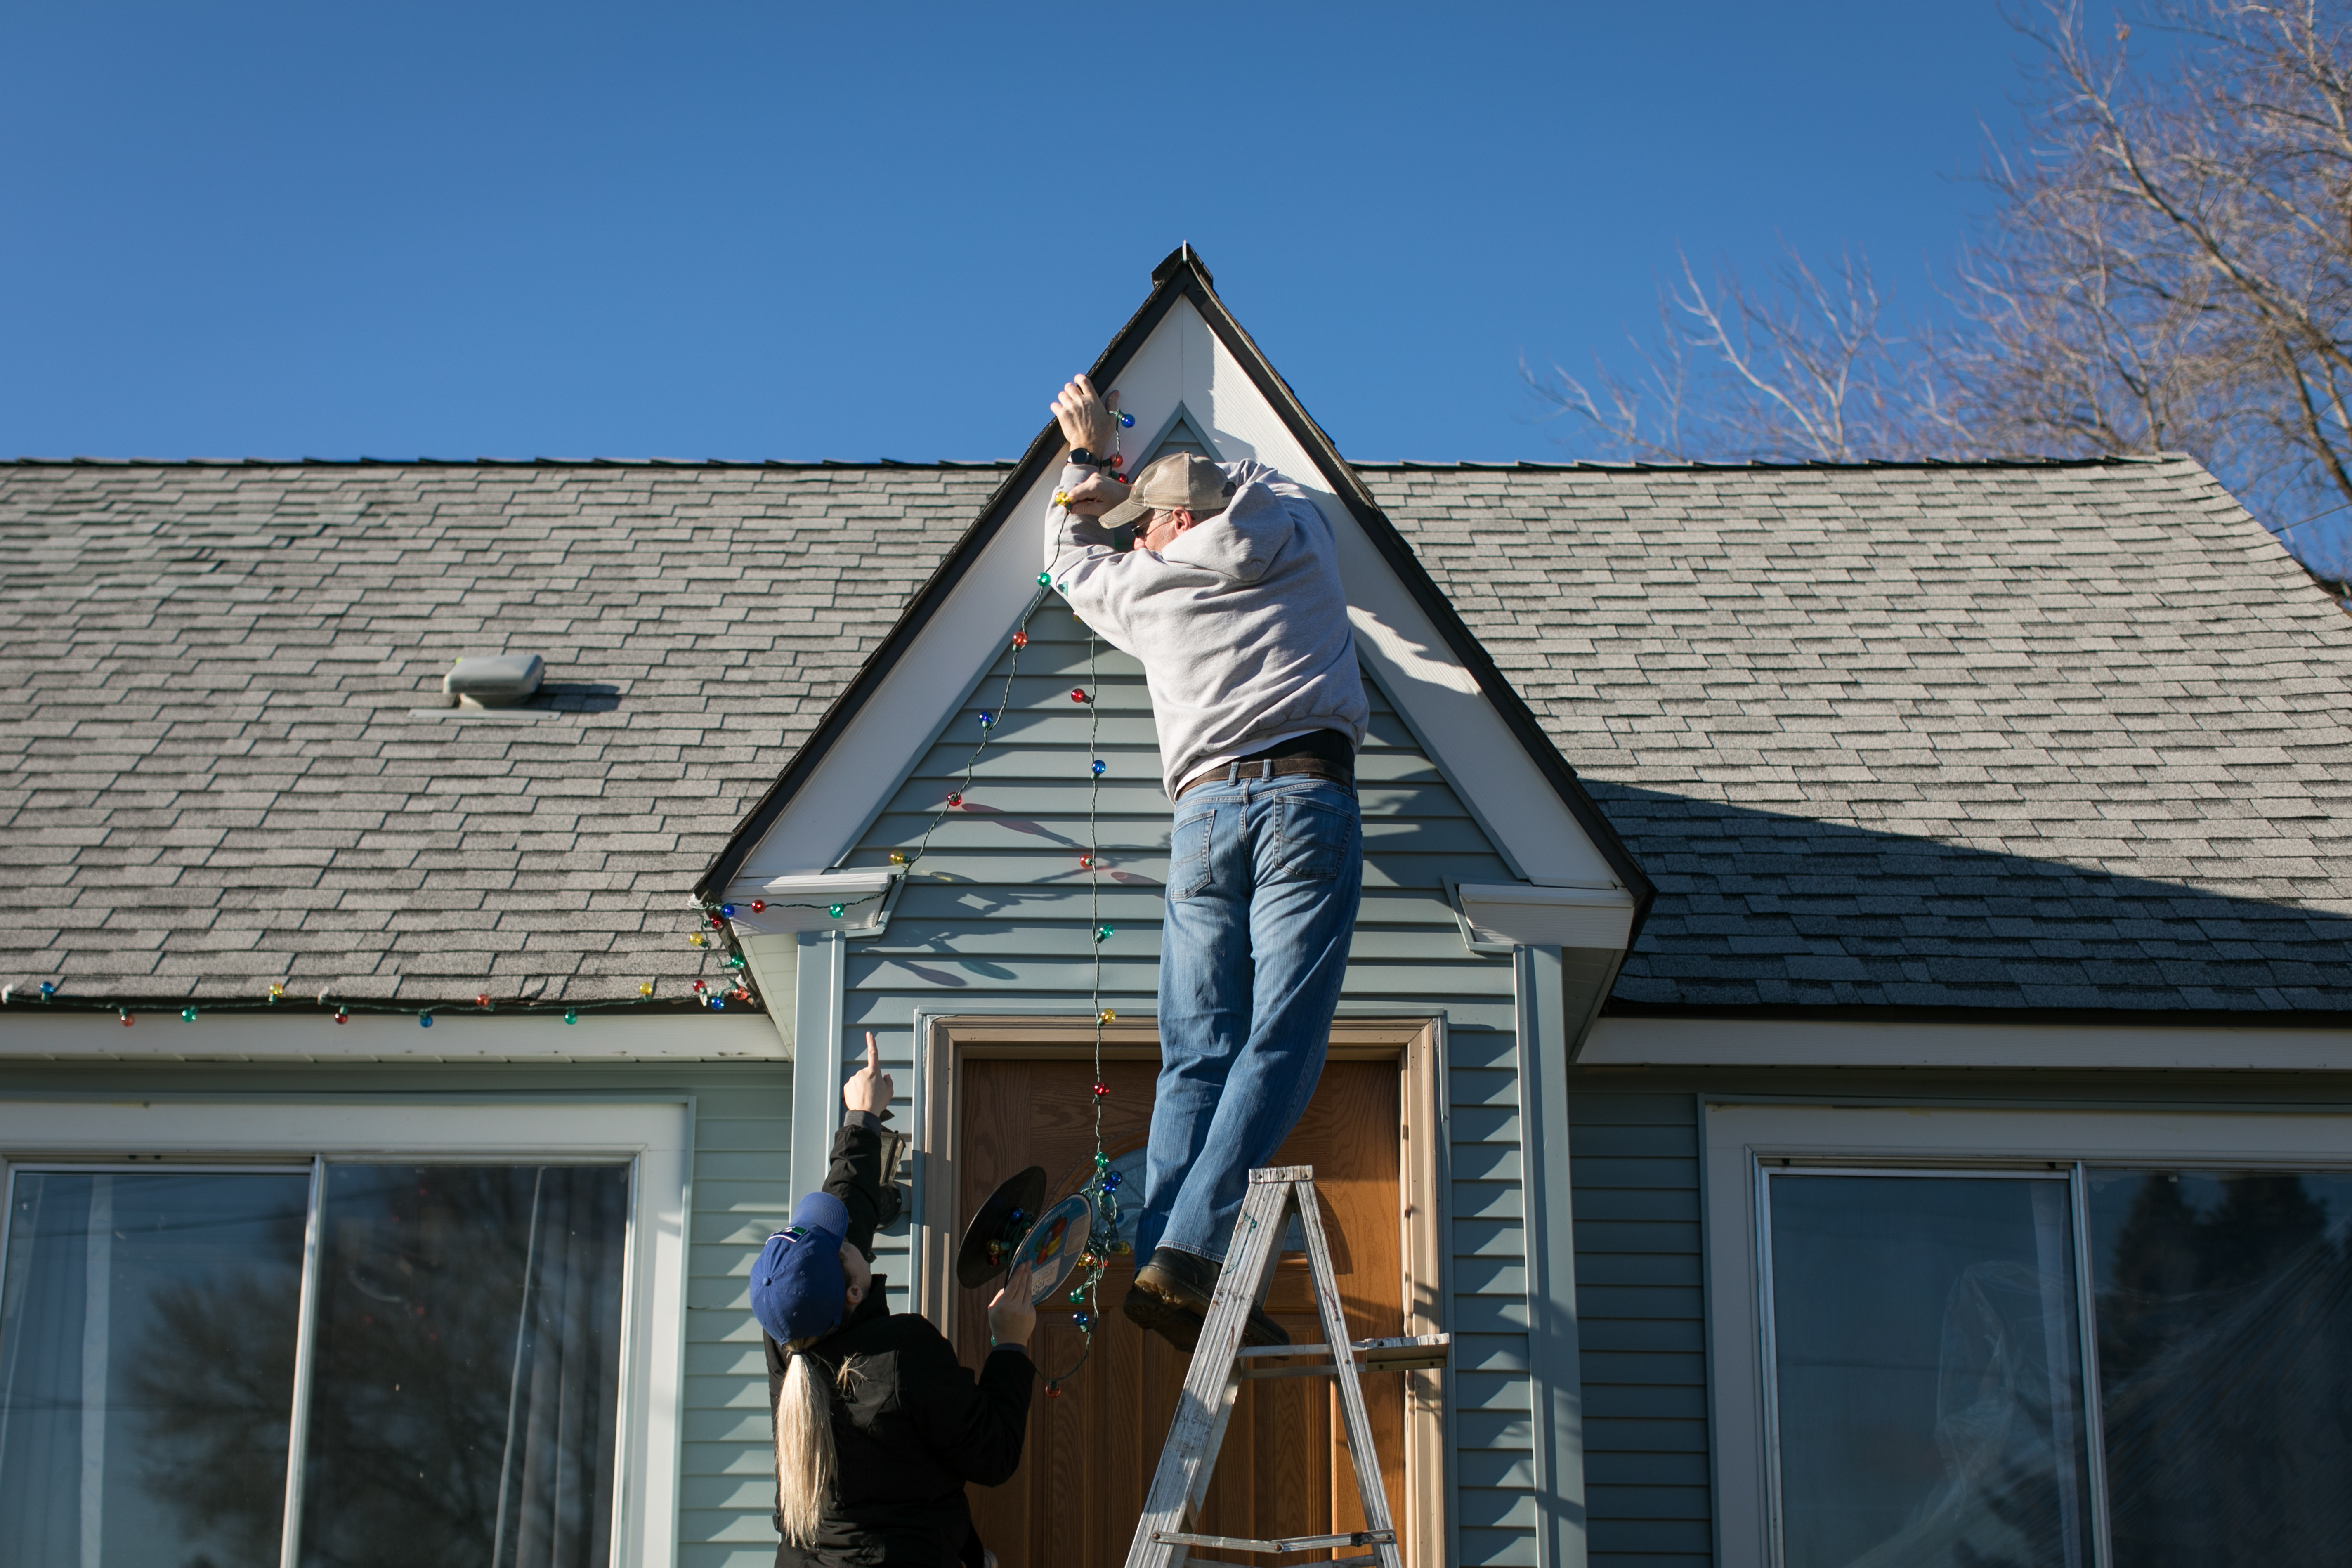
column 276, row 991
column 48, row 989
column 955, row 800
column 1100, row 767
column 834, row 909
column 1102, row 1091
column 342, row 1016
column 728, row 911
column 987, row 720
column 1102, row 933
column 187, row 1014
column 482, row 999
column 1045, row 578
column 1086, row 862
column 1020, row 639
column 716, row 922
column 424, row 1020
column 571, row 1015
column 1122, row 1246
column 1110, row 1181
column 699, row 987
column 758, row 905
column 1126, row 421
column 1061, row 498
column 1079, row 1295
column 123, row 1014
column 645, row 987
column 1102, row 1161
column 1081, row 1319
column 896, row 858
column 1109, row 1017
column 718, row 1003
column 1077, row 694
column 1053, row 1390
column 698, row 940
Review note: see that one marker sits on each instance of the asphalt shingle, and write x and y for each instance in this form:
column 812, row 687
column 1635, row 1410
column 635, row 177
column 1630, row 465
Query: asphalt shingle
column 1993, row 736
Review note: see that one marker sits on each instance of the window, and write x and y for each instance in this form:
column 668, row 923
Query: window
column 343, row 1361
column 2100, row 1363
column 463, row 1359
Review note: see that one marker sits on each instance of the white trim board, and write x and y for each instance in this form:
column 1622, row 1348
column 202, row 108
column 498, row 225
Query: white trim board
column 1783, row 1042
column 657, row 1137
column 1182, row 364
column 1736, row 1136
column 458, row 1034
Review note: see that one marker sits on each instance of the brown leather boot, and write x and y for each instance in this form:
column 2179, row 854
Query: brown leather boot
column 1172, row 1295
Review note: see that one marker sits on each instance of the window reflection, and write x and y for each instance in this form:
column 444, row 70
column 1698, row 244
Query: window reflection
column 464, row 1391
column 147, row 1328
column 1927, row 1382
column 2224, row 1310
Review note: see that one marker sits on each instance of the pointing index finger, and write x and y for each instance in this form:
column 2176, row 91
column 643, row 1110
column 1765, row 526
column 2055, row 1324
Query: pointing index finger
column 873, row 1053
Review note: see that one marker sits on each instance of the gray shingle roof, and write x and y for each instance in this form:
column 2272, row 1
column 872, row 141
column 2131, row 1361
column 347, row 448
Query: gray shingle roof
column 2019, row 737
column 210, row 777
column 2061, row 736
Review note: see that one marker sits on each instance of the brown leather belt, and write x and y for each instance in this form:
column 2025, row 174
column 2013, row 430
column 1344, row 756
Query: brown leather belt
column 1316, row 755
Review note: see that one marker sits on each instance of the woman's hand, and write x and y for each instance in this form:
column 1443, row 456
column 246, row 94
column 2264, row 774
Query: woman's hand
column 1083, row 418
column 1013, row 1317
column 869, row 1087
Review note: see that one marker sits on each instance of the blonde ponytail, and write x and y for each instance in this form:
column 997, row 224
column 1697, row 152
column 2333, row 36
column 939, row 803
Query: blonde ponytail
column 803, row 1450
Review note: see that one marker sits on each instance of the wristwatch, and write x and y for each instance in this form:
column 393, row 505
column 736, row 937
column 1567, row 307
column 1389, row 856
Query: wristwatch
column 1085, row 459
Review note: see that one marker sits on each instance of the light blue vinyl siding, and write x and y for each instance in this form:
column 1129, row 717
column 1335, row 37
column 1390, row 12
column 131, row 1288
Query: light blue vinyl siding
column 1640, row 1312
column 997, row 917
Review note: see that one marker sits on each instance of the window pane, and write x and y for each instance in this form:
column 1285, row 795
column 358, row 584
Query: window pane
column 1925, row 1338
column 147, row 1366
column 2225, row 1365
column 462, row 1408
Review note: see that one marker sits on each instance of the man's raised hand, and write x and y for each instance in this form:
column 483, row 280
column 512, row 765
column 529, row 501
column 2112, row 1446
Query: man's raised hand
column 868, row 1087
column 1095, row 495
column 1085, row 421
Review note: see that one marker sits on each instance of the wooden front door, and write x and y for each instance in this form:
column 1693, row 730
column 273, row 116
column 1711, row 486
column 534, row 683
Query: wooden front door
column 1283, row 1469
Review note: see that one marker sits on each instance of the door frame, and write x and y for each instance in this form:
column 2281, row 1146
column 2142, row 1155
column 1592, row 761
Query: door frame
column 1417, row 1046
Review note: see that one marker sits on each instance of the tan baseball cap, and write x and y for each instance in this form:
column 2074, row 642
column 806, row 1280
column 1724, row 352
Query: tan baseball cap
column 1180, row 479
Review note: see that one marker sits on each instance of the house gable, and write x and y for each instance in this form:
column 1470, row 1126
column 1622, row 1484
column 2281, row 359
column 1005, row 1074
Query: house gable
column 1183, row 365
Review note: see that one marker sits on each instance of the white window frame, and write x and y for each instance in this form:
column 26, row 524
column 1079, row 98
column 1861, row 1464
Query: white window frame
column 1739, row 1136
column 655, row 1138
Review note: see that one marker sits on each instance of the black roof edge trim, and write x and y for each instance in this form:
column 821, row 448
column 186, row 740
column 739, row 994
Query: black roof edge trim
column 926, row 603
column 1867, row 1012
column 1594, row 466
column 369, row 462
column 1516, row 716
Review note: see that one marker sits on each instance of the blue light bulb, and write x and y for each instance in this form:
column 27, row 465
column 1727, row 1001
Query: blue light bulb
column 1126, row 421
column 424, row 1020
column 726, row 911
column 1100, row 767
column 986, row 720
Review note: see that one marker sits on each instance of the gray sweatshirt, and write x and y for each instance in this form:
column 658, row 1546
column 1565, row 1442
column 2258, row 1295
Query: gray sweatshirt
column 1241, row 622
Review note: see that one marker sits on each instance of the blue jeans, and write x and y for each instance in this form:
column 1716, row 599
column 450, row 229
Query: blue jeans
column 1263, row 883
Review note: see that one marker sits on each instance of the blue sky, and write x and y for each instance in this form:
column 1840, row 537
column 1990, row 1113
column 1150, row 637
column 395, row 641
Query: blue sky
column 777, row 231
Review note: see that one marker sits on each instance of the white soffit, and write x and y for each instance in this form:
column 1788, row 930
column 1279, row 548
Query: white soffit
column 1515, row 914
column 1180, row 363
column 2154, row 1046
column 806, row 903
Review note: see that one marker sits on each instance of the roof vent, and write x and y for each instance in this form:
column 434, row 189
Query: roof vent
column 500, row 680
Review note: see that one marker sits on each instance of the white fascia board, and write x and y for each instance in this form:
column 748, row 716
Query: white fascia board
column 1182, row 363
column 2154, row 1046
column 1522, row 915
column 458, row 1035
column 806, row 902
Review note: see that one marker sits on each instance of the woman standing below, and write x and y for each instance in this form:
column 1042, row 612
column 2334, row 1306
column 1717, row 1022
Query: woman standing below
column 878, row 1425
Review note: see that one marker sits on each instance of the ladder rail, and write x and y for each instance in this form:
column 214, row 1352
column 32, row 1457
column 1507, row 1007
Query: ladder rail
column 1179, row 1483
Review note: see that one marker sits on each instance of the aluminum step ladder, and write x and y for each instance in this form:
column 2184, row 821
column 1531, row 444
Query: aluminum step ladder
column 1180, row 1485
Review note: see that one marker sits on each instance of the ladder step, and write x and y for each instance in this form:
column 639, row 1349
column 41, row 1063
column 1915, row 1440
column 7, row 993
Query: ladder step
column 1412, row 1348
column 1287, row 1543
column 1369, row 1557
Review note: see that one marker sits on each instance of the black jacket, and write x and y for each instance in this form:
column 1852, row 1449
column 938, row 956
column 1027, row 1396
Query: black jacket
column 915, row 1426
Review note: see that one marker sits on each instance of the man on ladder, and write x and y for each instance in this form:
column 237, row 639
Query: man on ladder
column 1231, row 599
